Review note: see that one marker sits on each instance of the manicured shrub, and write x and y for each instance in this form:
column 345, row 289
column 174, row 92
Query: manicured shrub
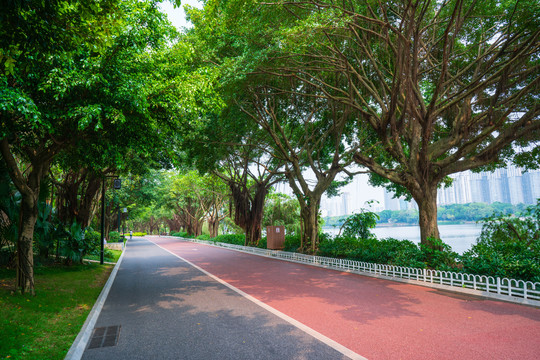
column 203, row 237
column 237, row 239
column 262, row 243
column 93, row 240
column 292, row 242
column 139, row 233
column 438, row 255
column 180, row 234
column 114, row 236
column 385, row 251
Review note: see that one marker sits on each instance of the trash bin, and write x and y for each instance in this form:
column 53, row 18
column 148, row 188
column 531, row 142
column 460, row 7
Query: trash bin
column 275, row 237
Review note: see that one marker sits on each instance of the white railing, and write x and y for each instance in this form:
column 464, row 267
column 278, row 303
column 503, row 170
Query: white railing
column 520, row 290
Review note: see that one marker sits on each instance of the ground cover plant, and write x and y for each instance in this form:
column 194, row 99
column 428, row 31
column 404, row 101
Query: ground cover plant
column 44, row 326
column 109, row 255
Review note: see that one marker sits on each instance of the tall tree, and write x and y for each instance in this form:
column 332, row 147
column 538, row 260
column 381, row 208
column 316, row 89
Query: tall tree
column 310, row 136
column 67, row 80
column 440, row 86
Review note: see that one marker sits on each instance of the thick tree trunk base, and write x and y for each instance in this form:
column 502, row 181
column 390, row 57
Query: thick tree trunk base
column 25, row 266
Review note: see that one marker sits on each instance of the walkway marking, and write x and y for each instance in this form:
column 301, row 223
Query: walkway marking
column 317, row 335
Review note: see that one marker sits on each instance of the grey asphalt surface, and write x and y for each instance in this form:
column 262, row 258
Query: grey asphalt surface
column 169, row 310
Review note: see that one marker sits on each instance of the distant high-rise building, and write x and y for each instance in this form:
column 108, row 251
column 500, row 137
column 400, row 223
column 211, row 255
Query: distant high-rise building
column 345, row 203
column 390, row 203
column 510, row 185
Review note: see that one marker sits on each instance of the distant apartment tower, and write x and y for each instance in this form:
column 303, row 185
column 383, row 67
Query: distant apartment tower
column 510, row 185
column 345, row 203
column 391, row 203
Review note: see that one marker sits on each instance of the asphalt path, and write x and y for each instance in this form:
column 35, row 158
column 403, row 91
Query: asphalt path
column 168, row 309
column 376, row 318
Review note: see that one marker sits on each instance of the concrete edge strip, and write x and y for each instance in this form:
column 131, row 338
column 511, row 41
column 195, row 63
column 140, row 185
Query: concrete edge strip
column 79, row 345
column 324, row 339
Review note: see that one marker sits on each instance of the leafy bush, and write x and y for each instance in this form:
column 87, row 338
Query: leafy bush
column 203, row 237
column 292, row 242
column 139, row 233
column 237, row 239
column 45, row 230
column 438, row 255
column 93, row 241
column 114, row 236
column 180, row 234
column 507, row 247
column 183, row 234
column 73, row 244
column 263, row 243
column 404, row 253
column 359, row 225
column 386, row 251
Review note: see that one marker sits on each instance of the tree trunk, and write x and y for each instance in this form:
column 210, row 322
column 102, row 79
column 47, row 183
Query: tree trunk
column 29, row 187
column 248, row 212
column 88, row 201
column 214, row 228
column 253, row 233
column 427, row 206
column 310, row 217
column 255, row 215
column 25, row 254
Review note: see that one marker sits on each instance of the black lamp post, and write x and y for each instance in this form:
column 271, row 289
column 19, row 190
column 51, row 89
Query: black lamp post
column 124, row 224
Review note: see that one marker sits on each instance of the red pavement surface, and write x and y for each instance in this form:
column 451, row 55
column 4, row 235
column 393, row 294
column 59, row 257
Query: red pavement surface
column 378, row 319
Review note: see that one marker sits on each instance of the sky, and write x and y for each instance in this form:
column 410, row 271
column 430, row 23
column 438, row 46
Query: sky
column 176, row 15
column 359, row 191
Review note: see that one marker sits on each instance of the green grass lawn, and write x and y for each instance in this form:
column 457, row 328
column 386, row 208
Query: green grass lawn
column 109, row 256
column 44, row 326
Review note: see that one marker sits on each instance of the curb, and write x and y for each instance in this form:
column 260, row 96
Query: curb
column 79, row 345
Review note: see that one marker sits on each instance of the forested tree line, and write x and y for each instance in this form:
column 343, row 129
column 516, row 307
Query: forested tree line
column 202, row 124
column 472, row 212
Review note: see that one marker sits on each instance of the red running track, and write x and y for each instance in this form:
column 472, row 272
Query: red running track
column 378, row 319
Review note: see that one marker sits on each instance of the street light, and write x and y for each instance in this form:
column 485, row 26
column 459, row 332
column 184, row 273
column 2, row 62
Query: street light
column 124, row 224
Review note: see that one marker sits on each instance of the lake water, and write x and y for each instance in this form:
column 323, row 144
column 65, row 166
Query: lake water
column 460, row 237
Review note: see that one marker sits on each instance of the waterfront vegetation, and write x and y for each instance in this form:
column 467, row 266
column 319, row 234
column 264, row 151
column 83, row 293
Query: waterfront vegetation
column 446, row 214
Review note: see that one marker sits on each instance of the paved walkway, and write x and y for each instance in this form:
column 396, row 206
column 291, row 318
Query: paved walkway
column 168, row 309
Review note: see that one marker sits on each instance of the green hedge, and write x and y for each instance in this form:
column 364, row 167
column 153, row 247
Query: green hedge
column 237, row 239
column 292, row 243
column 183, row 234
column 114, row 236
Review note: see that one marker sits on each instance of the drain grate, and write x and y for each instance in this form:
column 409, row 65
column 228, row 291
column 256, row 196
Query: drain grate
column 104, row 337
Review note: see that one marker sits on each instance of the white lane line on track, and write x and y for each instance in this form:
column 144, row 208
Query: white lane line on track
column 317, row 335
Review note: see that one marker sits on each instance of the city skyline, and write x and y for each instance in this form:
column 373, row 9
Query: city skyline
column 512, row 185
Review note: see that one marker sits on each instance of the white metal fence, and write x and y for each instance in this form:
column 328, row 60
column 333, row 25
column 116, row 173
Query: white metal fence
column 516, row 290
